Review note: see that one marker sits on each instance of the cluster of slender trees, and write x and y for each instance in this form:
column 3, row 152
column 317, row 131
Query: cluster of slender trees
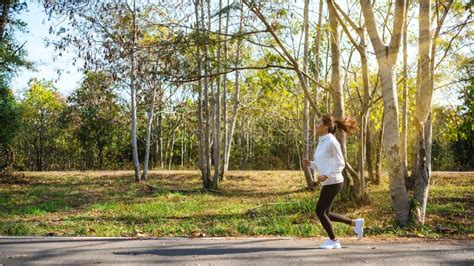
column 241, row 84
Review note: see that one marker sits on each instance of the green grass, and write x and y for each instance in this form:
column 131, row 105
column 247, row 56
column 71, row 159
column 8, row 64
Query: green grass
column 247, row 204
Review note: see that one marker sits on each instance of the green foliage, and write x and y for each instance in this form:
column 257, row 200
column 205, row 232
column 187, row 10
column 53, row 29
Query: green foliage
column 10, row 123
column 453, row 130
column 12, row 54
column 465, row 144
column 40, row 112
column 95, row 119
column 9, row 118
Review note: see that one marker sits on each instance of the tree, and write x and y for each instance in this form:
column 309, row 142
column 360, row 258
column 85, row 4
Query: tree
column 386, row 58
column 301, row 74
column 96, row 117
column 40, row 111
column 306, row 118
column 10, row 121
column 423, row 133
column 464, row 145
column 12, row 57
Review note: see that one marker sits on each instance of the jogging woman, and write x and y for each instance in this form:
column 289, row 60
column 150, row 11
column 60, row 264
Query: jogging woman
column 329, row 162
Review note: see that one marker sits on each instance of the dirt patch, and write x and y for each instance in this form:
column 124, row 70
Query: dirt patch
column 13, row 178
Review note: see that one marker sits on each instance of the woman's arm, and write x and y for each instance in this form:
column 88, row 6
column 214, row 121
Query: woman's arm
column 337, row 161
column 310, row 164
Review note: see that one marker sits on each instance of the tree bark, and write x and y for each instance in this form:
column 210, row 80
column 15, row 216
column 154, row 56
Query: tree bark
column 379, row 155
column 359, row 192
column 136, row 163
column 404, row 133
column 306, row 129
column 217, row 115
column 423, row 122
column 207, row 115
column 317, row 41
column 423, row 106
column 387, row 58
column 148, row 132
column 236, row 101
column 224, row 103
column 369, row 156
column 202, row 149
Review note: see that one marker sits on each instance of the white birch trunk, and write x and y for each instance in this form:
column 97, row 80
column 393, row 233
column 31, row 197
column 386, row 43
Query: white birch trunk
column 224, row 103
column 236, row 106
column 423, row 106
column 306, row 118
column 201, row 148
column 148, row 132
column 387, row 58
column 423, row 123
column 217, row 108
column 404, row 133
column 133, row 109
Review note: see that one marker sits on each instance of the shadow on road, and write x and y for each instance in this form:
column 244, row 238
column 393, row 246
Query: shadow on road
column 207, row 251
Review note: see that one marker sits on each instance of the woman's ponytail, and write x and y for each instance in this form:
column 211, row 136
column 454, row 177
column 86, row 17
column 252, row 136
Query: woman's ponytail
column 348, row 125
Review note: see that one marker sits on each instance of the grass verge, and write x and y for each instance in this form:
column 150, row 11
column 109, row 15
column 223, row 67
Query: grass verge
column 249, row 203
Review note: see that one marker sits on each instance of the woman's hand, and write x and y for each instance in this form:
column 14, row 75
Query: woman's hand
column 306, row 163
column 322, row 178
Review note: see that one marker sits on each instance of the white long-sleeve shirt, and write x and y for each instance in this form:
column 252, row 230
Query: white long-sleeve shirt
column 328, row 159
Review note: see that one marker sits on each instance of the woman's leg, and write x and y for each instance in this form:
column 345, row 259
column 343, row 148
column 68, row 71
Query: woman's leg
column 326, row 198
column 340, row 218
column 337, row 217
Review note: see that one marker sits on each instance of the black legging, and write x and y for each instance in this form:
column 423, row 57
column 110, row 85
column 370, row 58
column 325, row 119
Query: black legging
column 323, row 208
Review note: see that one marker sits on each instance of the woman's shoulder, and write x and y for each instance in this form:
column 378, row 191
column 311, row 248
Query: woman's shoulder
column 334, row 140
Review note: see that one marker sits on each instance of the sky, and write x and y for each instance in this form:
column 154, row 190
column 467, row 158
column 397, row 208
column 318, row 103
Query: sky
column 42, row 56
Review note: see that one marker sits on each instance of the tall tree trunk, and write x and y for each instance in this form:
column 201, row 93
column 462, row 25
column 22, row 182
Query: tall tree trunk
column 404, row 133
column 387, row 58
column 136, row 163
column 160, row 135
column 224, row 102
column 364, row 118
column 217, row 115
column 207, row 115
column 423, row 122
column 171, row 150
column 306, row 129
column 336, row 89
column 379, row 155
column 201, row 148
column 391, row 143
column 317, row 42
column 327, row 98
column 365, row 112
column 236, row 100
column 359, row 179
column 368, row 152
column 148, row 132
column 423, row 106
column 183, row 146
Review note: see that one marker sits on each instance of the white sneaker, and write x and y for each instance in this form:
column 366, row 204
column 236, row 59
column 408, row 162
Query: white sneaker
column 330, row 244
column 359, row 227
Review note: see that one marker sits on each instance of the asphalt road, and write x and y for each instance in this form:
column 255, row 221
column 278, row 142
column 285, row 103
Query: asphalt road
column 233, row 251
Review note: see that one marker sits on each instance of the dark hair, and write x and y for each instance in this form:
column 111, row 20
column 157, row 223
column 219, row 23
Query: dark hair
column 348, row 124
